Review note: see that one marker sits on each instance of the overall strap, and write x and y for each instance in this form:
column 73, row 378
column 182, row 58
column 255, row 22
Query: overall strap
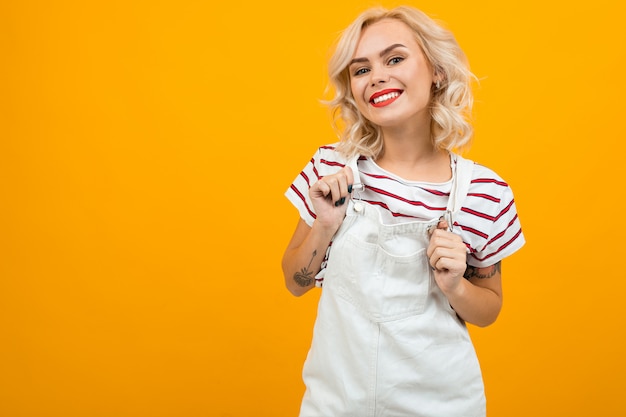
column 357, row 187
column 462, row 180
column 352, row 163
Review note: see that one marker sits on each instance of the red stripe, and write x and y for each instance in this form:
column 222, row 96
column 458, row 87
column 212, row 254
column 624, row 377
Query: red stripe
column 397, row 197
column 317, row 174
column 437, row 193
column 499, row 235
column 306, row 178
column 471, row 249
column 489, row 181
column 331, row 163
column 383, row 205
column 384, row 177
column 478, row 214
column 486, row 216
column 474, row 231
column 295, row 190
column 496, row 237
column 485, row 196
column 506, row 209
column 380, row 177
column 501, row 248
column 507, row 244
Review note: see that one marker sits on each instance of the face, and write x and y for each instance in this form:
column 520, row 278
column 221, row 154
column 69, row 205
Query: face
column 390, row 77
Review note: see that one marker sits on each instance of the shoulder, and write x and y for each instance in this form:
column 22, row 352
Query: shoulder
column 481, row 172
column 483, row 181
column 328, row 151
column 488, row 218
column 327, row 160
column 486, row 180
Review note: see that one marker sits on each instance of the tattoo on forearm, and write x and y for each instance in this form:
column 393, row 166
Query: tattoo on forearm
column 304, row 277
column 473, row 272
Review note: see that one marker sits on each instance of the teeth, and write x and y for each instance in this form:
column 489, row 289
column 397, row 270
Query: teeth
column 386, row 97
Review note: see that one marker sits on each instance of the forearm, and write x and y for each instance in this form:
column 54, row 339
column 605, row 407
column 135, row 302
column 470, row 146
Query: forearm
column 475, row 304
column 304, row 255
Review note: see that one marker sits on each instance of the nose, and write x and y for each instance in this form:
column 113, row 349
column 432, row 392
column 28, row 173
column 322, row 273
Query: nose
column 378, row 75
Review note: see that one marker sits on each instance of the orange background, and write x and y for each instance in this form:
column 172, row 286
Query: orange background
column 144, row 150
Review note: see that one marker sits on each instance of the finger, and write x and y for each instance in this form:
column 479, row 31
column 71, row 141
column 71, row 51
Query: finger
column 441, row 247
column 319, row 189
column 454, row 265
column 349, row 178
column 343, row 181
column 443, row 224
column 436, row 258
column 333, row 192
column 432, row 261
column 441, row 263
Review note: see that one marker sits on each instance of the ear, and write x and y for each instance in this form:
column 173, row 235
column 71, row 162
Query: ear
column 437, row 79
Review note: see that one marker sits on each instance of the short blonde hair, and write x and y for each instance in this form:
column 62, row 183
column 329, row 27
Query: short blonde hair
column 451, row 103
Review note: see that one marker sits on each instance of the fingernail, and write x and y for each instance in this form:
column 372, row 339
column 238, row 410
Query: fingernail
column 350, row 188
column 340, row 201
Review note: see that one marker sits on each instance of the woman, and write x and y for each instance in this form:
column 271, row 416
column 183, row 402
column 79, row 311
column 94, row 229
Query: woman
column 405, row 236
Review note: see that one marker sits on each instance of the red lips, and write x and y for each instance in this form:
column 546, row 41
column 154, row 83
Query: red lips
column 385, row 97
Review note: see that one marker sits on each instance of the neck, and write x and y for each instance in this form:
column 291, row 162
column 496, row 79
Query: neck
column 412, row 156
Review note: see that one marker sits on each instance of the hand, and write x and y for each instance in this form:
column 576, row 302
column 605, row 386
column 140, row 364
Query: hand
column 329, row 196
column 447, row 255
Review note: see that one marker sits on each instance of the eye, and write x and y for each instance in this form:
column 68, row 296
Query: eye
column 395, row 60
column 360, row 71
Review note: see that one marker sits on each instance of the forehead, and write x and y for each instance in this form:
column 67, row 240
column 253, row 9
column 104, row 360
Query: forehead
column 383, row 33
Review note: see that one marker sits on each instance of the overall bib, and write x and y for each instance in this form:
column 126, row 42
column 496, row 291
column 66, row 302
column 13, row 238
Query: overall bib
column 386, row 341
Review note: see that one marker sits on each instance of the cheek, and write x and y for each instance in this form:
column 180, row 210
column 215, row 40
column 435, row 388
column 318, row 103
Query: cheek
column 356, row 87
column 358, row 91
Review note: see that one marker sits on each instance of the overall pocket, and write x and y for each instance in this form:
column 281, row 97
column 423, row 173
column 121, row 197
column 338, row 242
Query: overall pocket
column 384, row 286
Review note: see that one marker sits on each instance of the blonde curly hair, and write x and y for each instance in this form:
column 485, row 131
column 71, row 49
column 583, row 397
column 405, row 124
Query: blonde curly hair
column 451, row 102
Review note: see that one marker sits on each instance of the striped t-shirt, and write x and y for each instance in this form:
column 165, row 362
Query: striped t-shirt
column 487, row 221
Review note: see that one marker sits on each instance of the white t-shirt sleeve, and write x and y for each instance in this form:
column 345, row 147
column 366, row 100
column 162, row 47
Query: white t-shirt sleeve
column 325, row 162
column 501, row 229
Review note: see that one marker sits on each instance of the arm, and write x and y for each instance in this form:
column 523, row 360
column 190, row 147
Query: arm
column 477, row 299
column 304, row 255
column 306, row 250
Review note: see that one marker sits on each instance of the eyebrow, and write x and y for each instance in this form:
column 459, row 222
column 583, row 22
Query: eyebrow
column 382, row 53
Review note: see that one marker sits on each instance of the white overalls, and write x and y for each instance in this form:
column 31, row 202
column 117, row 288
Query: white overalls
column 386, row 341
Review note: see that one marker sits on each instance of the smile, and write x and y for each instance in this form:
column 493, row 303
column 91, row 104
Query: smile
column 385, row 97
